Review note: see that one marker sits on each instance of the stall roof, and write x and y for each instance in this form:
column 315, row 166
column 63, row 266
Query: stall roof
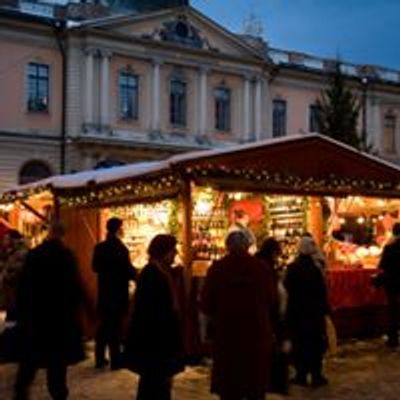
column 310, row 164
column 83, row 179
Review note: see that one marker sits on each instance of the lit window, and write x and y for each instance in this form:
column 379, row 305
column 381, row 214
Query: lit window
column 222, row 109
column 38, row 87
column 279, row 118
column 128, row 95
column 178, row 102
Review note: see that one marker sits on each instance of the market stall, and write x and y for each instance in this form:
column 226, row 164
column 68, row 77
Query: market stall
column 281, row 187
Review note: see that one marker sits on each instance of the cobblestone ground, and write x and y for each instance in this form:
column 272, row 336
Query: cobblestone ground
column 362, row 370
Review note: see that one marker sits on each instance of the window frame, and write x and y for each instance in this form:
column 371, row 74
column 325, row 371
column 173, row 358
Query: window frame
column 314, row 112
column 36, row 102
column 130, row 91
column 279, row 118
column 223, row 109
column 393, row 148
column 178, row 103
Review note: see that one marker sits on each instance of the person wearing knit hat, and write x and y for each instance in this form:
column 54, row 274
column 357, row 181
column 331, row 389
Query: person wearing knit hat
column 306, row 312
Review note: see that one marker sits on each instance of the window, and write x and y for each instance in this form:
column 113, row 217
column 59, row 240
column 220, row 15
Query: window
column 33, row 171
column 279, row 118
column 314, row 118
column 38, row 87
column 178, row 102
column 389, row 134
column 222, row 109
column 128, row 95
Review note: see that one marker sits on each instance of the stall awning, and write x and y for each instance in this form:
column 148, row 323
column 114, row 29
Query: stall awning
column 102, row 185
column 313, row 164
column 306, row 164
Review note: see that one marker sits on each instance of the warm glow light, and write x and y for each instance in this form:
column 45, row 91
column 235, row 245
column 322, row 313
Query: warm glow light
column 342, row 221
column 360, row 220
column 203, row 207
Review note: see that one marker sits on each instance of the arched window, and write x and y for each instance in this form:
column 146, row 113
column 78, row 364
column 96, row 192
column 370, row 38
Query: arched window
column 33, row 171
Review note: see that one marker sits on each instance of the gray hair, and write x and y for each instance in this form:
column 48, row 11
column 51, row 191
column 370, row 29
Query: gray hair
column 237, row 242
column 307, row 246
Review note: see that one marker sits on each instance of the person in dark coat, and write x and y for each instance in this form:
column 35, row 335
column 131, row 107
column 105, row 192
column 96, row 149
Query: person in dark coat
column 48, row 298
column 114, row 270
column 154, row 347
column 306, row 312
column 269, row 252
column 390, row 266
column 239, row 295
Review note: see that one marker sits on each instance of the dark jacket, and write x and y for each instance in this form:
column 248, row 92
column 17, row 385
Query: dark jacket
column 112, row 264
column 154, row 341
column 48, row 298
column 307, row 303
column 239, row 296
column 390, row 265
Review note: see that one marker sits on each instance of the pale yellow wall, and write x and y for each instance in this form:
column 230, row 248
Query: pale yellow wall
column 234, row 83
column 190, row 77
column 298, row 101
column 14, row 117
column 143, row 70
column 216, row 38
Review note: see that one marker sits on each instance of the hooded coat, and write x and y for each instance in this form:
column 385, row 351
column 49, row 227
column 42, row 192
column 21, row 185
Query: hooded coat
column 239, row 297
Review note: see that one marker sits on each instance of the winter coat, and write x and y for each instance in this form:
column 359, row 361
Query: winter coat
column 307, row 304
column 112, row 264
column 155, row 341
column 390, row 265
column 239, row 296
column 48, row 298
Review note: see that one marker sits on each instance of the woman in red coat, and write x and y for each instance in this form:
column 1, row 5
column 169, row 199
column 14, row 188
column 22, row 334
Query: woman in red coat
column 239, row 297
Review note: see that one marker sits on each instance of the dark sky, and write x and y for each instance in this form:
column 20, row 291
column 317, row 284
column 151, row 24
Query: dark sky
column 360, row 31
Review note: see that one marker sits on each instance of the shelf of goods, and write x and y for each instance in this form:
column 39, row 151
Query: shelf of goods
column 287, row 222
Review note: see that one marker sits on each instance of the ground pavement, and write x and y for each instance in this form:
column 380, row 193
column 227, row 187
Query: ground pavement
column 361, row 370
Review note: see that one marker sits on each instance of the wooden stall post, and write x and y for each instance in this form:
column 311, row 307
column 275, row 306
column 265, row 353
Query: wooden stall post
column 190, row 302
column 315, row 223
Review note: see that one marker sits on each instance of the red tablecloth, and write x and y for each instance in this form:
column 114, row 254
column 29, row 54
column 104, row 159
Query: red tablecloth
column 352, row 288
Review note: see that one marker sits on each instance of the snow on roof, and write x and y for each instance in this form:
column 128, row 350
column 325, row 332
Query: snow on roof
column 82, row 178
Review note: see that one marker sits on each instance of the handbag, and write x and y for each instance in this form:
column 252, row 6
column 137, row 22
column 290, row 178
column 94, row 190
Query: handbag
column 9, row 345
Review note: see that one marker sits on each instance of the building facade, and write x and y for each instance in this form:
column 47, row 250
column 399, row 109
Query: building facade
column 83, row 87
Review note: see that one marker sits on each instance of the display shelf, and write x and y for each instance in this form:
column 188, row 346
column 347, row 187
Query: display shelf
column 287, row 222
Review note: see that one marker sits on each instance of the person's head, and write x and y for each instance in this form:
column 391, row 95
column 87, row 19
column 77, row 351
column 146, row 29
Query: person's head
column 270, row 249
column 241, row 216
column 114, row 226
column 237, row 242
column 163, row 249
column 57, row 230
column 396, row 229
column 307, row 246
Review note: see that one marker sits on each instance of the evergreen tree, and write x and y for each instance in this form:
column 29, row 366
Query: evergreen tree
column 338, row 111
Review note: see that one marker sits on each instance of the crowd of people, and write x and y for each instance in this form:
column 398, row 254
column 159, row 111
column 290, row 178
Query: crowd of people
column 261, row 317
